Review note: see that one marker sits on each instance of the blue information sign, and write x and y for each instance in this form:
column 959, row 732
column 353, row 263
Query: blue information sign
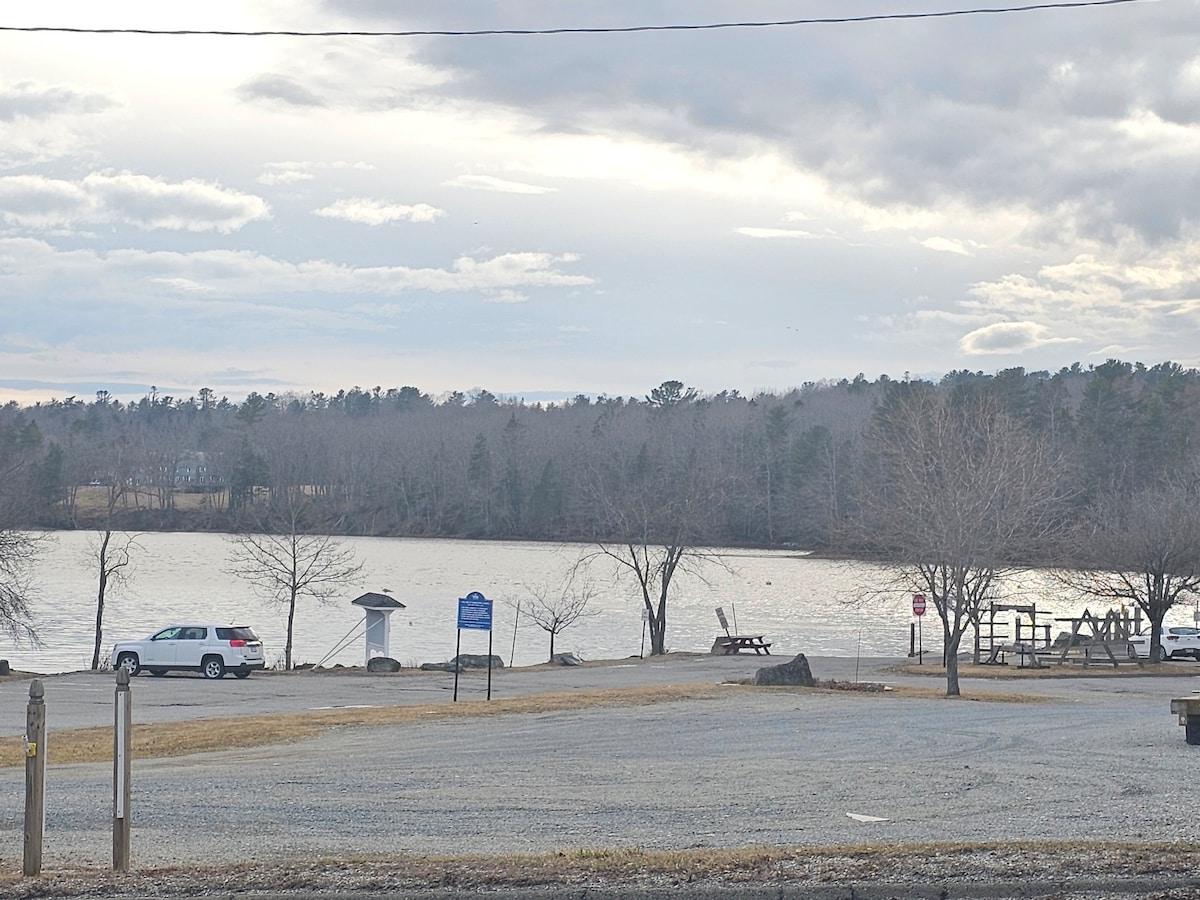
column 475, row 611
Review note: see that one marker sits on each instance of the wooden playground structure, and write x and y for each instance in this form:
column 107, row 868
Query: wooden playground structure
column 1084, row 639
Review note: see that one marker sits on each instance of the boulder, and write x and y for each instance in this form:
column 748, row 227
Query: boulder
column 382, row 664
column 4, row 667
column 566, row 659
column 465, row 661
column 795, row 672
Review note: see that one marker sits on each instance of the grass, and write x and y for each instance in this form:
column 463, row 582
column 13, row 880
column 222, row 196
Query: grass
column 173, row 739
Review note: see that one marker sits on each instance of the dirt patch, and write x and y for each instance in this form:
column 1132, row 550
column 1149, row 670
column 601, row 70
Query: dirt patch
column 1050, row 670
column 673, row 873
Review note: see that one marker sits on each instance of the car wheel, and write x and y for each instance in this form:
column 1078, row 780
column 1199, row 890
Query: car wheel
column 1161, row 655
column 212, row 667
column 157, row 672
column 129, row 662
column 242, row 673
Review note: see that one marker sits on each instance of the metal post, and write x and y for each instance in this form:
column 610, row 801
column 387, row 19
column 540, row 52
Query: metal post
column 35, row 778
column 123, row 720
column 489, row 693
column 457, row 653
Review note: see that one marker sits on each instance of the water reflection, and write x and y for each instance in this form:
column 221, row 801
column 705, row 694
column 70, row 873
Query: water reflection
column 802, row 604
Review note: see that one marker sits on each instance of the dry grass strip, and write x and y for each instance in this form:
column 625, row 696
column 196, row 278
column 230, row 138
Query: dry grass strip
column 172, row 739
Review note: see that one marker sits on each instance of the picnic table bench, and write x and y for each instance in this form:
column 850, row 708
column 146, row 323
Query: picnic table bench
column 735, row 643
column 729, row 644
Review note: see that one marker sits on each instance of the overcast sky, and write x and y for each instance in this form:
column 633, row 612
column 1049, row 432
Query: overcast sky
column 547, row 215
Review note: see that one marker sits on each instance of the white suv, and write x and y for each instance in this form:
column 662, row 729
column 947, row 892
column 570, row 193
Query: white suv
column 211, row 650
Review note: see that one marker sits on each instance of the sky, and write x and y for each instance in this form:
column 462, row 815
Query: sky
column 547, row 215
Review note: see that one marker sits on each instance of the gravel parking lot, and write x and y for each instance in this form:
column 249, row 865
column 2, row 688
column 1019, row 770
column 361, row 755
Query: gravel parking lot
column 1082, row 759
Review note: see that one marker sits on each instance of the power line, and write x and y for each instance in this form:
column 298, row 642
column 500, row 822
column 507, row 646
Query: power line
column 838, row 20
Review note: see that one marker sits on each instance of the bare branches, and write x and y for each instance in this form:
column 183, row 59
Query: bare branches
column 285, row 564
column 1139, row 547
column 112, row 555
column 554, row 609
column 957, row 491
column 18, row 552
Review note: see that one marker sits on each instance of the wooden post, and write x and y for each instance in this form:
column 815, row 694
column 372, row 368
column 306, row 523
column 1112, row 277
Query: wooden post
column 35, row 778
column 123, row 719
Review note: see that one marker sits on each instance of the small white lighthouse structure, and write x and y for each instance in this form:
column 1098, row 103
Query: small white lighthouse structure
column 377, row 608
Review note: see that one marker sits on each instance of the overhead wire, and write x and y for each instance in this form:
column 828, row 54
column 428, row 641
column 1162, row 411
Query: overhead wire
column 628, row 29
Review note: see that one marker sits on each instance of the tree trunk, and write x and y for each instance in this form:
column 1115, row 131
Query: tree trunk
column 100, row 590
column 287, row 647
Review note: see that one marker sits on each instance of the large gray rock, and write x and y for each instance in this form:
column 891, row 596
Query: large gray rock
column 465, row 661
column 566, row 659
column 795, row 672
column 382, row 664
column 4, row 667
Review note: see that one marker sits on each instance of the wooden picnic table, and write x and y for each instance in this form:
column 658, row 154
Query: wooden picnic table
column 734, row 643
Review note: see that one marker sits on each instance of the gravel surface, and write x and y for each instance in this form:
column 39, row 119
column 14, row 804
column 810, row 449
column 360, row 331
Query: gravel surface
column 1078, row 760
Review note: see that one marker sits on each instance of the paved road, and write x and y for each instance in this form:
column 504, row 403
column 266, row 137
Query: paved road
column 85, row 699
column 1097, row 758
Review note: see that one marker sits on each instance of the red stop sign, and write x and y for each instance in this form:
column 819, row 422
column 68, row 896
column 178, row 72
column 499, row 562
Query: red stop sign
column 918, row 604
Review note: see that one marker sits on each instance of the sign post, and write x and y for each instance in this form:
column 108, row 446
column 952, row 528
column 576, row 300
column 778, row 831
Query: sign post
column 122, row 721
column 35, row 778
column 919, row 612
column 475, row 613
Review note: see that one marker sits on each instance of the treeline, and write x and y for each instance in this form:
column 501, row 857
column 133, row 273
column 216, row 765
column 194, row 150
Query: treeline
column 768, row 470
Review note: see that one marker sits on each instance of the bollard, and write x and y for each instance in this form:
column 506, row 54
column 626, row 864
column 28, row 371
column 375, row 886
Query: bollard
column 1188, row 710
column 35, row 778
column 123, row 719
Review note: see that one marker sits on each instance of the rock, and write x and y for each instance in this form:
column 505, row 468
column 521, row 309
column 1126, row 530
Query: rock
column 465, row 661
column 566, row 659
column 4, row 667
column 382, row 664
column 795, row 672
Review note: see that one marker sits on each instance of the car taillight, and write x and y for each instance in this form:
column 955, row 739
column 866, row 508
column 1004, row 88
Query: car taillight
column 237, row 642
column 1172, row 637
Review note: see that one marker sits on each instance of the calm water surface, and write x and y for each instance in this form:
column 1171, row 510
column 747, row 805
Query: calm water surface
column 802, row 604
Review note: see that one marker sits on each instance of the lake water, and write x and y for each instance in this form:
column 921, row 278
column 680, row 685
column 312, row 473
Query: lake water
column 802, row 604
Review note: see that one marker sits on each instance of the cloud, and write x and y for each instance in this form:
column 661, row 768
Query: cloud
column 1007, row 337
column 284, row 176
column 32, row 100
column 34, row 201
column 773, row 232
column 292, row 172
column 227, row 273
column 946, row 245
column 507, row 296
column 366, row 211
column 279, row 88
column 490, row 183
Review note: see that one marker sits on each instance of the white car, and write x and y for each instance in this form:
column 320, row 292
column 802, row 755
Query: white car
column 212, row 650
column 1176, row 640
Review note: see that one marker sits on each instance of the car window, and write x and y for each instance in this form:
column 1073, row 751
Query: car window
column 1183, row 631
column 194, row 634
column 236, row 632
column 168, row 634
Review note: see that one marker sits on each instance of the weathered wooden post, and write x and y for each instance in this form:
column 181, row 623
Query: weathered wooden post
column 35, row 778
column 121, row 772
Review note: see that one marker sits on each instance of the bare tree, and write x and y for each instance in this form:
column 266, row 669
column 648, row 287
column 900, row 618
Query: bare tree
column 284, row 564
column 554, row 609
column 654, row 502
column 1141, row 548
column 18, row 551
column 959, row 494
column 113, row 555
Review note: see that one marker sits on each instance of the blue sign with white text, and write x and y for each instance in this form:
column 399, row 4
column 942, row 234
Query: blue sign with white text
column 475, row 611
